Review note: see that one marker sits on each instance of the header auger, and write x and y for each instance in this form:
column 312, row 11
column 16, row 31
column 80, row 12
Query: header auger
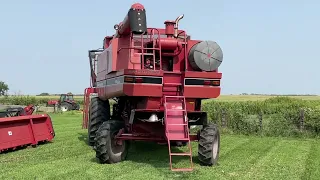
column 156, row 78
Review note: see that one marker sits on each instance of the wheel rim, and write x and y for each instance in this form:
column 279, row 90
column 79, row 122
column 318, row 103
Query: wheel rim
column 115, row 147
column 64, row 108
column 215, row 147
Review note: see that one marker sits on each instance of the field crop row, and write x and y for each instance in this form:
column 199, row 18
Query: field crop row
column 277, row 116
column 40, row 100
column 273, row 116
column 36, row 100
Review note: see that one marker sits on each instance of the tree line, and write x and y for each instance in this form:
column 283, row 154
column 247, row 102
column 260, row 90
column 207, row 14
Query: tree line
column 4, row 88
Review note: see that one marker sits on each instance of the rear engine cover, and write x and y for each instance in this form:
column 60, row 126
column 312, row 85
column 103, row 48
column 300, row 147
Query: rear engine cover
column 205, row 56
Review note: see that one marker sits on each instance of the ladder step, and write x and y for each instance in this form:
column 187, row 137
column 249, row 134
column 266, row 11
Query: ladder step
column 179, row 97
column 180, row 154
column 177, row 124
column 179, row 139
column 175, row 110
column 182, row 169
column 175, row 134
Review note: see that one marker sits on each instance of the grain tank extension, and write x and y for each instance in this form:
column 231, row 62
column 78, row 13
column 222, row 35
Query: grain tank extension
column 155, row 79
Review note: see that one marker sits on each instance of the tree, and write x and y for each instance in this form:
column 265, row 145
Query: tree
column 44, row 94
column 3, row 88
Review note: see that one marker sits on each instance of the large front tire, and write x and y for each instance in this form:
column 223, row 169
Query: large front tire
column 106, row 147
column 99, row 112
column 209, row 145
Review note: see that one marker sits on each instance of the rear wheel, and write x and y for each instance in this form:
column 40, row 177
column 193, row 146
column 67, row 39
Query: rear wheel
column 108, row 150
column 209, row 145
column 99, row 112
column 77, row 107
column 65, row 107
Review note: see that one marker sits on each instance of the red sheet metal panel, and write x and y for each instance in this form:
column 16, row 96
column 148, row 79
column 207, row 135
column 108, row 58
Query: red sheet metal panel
column 25, row 130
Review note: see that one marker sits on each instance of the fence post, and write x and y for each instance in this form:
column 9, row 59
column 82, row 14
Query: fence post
column 260, row 120
column 301, row 119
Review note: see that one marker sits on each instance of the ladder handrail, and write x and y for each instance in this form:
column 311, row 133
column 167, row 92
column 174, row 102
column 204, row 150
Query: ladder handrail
column 186, row 132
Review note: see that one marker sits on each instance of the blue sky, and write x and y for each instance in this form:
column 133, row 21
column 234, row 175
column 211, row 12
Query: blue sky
column 269, row 46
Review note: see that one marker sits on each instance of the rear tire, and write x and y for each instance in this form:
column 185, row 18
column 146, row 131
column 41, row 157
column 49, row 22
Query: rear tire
column 209, row 145
column 65, row 107
column 77, row 107
column 99, row 112
column 107, row 151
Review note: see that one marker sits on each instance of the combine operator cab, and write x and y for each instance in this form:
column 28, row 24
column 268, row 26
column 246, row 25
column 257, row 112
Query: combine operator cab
column 155, row 79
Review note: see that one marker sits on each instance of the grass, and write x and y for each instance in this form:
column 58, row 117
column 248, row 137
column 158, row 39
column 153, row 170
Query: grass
column 241, row 157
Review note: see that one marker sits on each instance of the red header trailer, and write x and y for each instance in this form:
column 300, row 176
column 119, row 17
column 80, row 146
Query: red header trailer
column 19, row 128
column 157, row 78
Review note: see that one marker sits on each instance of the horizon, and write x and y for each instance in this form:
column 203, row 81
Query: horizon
column 269, row 47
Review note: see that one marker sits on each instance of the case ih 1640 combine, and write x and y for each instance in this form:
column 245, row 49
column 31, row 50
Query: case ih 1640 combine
column 157, row 78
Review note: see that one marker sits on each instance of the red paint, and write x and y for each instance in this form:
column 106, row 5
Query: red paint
column 106, row 42
column 28, row 110
column 168, row 44
column 137, row 6
column 53, row 102
column 136, row 55
column 169, row 28
column 25, row 130
column 124, row 26
column 86, row 103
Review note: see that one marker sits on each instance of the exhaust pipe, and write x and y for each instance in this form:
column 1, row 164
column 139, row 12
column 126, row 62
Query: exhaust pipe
column 176, row 25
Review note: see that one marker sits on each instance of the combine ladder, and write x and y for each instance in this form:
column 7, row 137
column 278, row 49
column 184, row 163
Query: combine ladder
column 176, row 127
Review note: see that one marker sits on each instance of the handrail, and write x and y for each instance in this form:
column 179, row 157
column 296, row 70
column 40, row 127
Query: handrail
column 142, row 48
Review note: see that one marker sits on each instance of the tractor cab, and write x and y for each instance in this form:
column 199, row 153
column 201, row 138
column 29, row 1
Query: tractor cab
column 66, row 98
column 67, row 103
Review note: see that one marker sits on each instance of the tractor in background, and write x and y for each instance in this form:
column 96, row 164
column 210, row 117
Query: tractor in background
column 157, row 78
column 66, row 102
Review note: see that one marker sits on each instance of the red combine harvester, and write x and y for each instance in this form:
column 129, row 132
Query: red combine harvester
column 18, row 128
column 157, row 78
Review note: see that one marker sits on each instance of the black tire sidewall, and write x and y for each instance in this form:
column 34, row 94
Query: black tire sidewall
column 114, row 129
column 104, row 139
column 67, row 105
column 96, row 118
column 208, row 135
